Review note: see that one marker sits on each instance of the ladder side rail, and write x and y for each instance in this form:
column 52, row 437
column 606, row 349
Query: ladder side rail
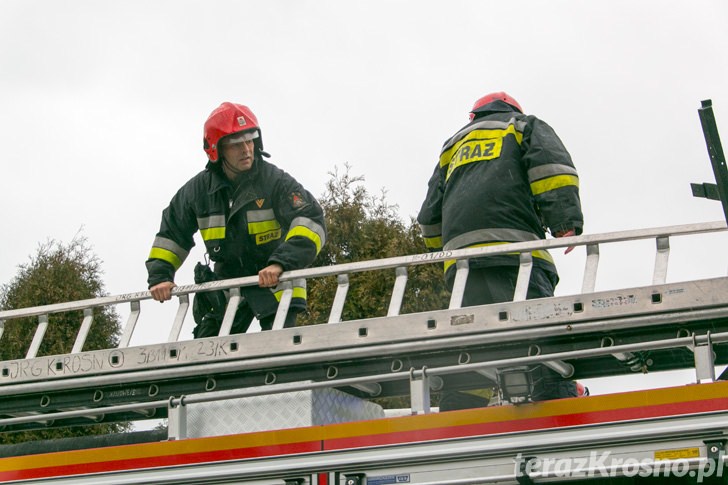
column 84, row 413
column 386, row 263
column 38, row 337
column 659, row 277
column 628, row 358
column 272, row 389
column 322, row 353
column 662, row 255
column 401, row 375
column 544, row 244
column 374, row 389
column 179, row 318
column 565, row 369
column 103, row 301
column 88, row 318
column 363, row 381
column 400, row 284
column 364, row 352
column 337, row 307
column 675, row 342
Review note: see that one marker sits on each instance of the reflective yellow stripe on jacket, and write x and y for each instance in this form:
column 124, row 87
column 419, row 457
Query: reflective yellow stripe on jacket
column 480, row 142
column 212, row 227
column 299, row 290
column 492, row 237
column 169, row 251
column 309, row 229
column 551, row 177
column 263, row 226
column 539, row 253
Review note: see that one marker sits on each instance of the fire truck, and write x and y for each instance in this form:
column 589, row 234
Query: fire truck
column 294, row 406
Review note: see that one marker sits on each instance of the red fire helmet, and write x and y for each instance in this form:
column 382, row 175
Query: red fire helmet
column 489, row 98
column 227, row 119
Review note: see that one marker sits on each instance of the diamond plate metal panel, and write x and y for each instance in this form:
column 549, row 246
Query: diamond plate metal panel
column 278, row 411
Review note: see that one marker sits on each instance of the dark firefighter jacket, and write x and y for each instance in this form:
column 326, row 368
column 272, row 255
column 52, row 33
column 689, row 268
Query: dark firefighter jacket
column 504, row 177
column 269, row 218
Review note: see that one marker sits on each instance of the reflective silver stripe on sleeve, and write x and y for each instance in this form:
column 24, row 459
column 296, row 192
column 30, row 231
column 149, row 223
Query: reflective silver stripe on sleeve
column 211, row 221
column 311, row 225
column 296, row 283
column 544, row 171
column 430, row 230
column 260, row 215
column 489, row 235
column 169, row 245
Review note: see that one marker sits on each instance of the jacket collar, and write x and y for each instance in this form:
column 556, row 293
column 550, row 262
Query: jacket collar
column 496, row 106
column 219, row 181
column 217, row 178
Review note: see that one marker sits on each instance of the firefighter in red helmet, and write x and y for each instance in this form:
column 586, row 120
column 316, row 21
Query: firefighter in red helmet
column 504, row 177
column 254, row 218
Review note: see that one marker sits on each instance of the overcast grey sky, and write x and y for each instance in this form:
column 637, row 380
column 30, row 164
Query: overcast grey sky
column 102, row 105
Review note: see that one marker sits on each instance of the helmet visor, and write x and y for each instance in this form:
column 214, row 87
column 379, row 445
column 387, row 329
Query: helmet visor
column 232, row 139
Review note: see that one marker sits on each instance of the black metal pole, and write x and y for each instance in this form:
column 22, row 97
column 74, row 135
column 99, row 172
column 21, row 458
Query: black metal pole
column 715, row 151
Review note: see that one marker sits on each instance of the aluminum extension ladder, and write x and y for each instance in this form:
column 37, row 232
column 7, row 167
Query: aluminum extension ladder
column 585, row 335
column 342, row 272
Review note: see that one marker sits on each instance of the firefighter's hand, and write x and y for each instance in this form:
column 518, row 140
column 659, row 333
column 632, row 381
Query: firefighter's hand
column 268, row 276
column 162, row 291
column 570, row 232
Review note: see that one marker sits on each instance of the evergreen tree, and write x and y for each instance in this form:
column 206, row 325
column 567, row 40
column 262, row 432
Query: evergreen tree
column 363, row 227
column 57, row 273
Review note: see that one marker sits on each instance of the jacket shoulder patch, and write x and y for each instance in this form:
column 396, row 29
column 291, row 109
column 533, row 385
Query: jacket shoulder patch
column 297, row 200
